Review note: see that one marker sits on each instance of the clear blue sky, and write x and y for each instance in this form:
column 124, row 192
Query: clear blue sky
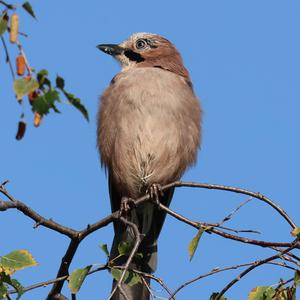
column 244, row 61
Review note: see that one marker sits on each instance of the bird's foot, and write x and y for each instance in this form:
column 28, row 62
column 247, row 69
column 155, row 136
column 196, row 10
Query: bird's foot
column 126, row 205
column 155, row 192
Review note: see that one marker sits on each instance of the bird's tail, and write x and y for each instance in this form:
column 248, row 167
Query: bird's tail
column 149, row 221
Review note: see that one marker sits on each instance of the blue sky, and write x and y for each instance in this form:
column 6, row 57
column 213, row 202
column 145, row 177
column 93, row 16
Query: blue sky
column 244, row 61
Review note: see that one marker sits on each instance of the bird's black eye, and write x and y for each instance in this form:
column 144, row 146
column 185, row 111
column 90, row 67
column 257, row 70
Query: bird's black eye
column 140, row 44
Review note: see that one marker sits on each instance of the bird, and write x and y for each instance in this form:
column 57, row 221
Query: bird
column 148, row 135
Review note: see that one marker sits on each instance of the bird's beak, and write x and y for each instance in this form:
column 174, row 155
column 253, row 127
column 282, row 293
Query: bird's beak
column 111, row 49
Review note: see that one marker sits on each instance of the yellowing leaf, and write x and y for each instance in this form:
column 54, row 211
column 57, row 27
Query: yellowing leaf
column 24, row 86
column 77, row 277
column 194, row 243
column 17, row 260
column 262, row 293
column 295, row 231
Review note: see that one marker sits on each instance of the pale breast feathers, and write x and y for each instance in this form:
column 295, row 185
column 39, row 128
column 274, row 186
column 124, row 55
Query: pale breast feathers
column 149, row 127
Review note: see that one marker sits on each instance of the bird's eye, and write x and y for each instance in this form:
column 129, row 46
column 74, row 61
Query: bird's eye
column 141, row 44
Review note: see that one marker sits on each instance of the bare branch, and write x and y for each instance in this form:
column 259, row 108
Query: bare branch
column 78, row 236
column 218, row 270
column 257, row 264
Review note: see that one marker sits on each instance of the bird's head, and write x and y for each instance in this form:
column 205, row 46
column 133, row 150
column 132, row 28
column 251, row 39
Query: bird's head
column 146, row 50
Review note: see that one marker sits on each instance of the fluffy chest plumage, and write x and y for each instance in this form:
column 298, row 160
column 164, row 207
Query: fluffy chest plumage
column 147, row 121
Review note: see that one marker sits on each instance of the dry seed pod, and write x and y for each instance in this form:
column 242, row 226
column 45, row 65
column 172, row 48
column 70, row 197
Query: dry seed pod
column 21, row 130
column 21, row 65
column 37, row 119
column 14, row 28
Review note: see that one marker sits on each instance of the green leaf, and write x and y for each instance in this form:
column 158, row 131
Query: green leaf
column 125, row 248
column 297, row 278
column 76, row 103
column 262, row 293
column 42, row 78
column 43, row 103
column 77, row 277
column 17, row 260
column 131, row 278
column 296, row 231
column 27, row 6
column 14, row 283
column 214, row 295
column 103, row 247
column 3, row 22
column 194, row 243
column 24, row 86
column 3, row 290
column 117, row 273
column 60, row 82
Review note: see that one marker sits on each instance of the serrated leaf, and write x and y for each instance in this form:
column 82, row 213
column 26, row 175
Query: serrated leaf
column 43, row 103
column 104, row 248
column 297, row 278
column 214, row 295
column 14, row 283
column 60, row 82
column 194, row 243
column 27, row 6
column 17, row 260
column 296, row 231
column 124, row 248
column 77, row 277
column 3, row 23
column 76, row 103
column 262, row 293
column 24, row 86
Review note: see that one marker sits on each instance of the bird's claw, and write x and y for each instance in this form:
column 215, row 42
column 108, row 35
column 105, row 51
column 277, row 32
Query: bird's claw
column 126, row 205
column 155, row 192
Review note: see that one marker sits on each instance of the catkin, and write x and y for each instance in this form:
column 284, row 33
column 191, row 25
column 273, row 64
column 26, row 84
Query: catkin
column 37, row 119
column 14, row 28
column 21, row 130
column 21, row 65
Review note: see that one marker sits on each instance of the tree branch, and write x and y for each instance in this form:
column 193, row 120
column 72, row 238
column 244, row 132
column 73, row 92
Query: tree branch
column 257, row 264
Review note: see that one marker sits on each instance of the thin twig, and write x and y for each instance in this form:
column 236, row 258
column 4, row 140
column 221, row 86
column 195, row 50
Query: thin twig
column 218, row 270
column 9, row 6
column 134, row 250
column 229, row 216
column 151, row 276
column 7, row 59
column 148, row 288
column 48, row 282
column 78, row 236
column 257, row 264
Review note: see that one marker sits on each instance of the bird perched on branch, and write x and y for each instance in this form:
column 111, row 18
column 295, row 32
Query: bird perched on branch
column 148, row 135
